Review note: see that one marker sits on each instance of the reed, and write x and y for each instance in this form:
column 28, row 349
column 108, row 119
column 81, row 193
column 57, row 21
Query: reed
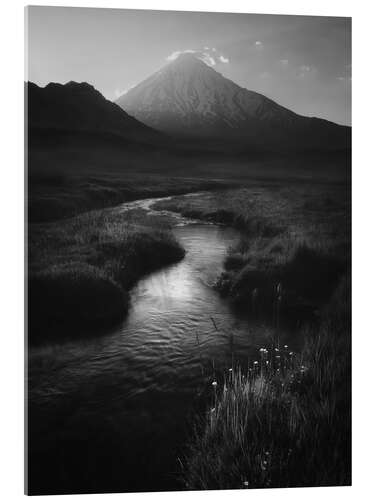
column 284, row 420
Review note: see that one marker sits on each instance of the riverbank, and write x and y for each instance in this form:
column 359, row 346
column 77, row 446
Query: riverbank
column 285, row 421
column 138, row 384
column 285, row 415
column 80, row 269
column 295, row 243
column 61, row 194
column 120, row 402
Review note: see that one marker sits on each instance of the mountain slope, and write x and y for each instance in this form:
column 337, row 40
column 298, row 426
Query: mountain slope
column 189, row 98
column 80, row 110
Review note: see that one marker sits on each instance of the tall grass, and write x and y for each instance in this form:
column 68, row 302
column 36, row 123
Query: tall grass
column 296, row 235
column 81, row 269
column 284, row 420
column 67, row 192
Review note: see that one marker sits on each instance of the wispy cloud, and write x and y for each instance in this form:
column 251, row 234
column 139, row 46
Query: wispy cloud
column 177, row 53
column 207, row 55
column 223, row 59
column 284, row 62
column 258, row 44
column 306, row 70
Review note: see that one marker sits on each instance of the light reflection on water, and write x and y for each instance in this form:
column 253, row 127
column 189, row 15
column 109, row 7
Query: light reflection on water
column 145, row 372
column 168, row 334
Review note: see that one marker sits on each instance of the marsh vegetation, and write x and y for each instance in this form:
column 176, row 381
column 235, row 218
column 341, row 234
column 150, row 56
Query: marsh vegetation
column 293, row 234
column 284, row 419
column 271, row 416
column 81, row 269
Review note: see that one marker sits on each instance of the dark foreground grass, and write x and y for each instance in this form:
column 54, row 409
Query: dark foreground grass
column 285, row 421
column 60, row 194
column 66, row 181
column 80, row 269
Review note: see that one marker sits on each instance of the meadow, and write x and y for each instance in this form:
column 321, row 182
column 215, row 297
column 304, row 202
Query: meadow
column 282, row 420
column 84, row 257
column 295, row 236
column 68, row 181
column 285, row 419
column 81, row 268
column 60, row 194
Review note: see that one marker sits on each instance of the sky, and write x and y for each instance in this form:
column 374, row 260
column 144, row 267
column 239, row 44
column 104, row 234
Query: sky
column 303, row 63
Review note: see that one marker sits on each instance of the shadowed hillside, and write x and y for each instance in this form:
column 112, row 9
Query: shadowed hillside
column 76, row 113
column 189, row 98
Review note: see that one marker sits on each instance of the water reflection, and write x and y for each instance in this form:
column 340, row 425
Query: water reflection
column 139, row 379
column 169, row 331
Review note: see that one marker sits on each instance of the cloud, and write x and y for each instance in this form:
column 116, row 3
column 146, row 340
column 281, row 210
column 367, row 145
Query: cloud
column 306, row 70
column 177, row 53
column 303, row 70
column 284, row 62
column 258, row 44
column 205, row 57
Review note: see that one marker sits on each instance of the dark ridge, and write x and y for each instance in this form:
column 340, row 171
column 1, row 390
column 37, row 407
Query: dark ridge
column 80, row 108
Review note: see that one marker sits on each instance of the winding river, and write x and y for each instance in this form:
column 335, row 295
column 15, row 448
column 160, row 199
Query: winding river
column 130, row 393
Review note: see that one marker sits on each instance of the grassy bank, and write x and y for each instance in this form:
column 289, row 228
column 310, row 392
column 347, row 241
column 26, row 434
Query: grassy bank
column 294, row 244
column 81, row 269
column 64, row 181
column 285, row 421
column 60, row 194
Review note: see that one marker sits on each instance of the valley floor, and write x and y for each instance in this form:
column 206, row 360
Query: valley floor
column 80, row 269
column 287, row 416
column 285, row 420
column 294, row 234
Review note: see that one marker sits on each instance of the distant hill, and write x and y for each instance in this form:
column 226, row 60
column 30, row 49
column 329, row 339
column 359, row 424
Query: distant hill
column 78, row 114
column 188, row 98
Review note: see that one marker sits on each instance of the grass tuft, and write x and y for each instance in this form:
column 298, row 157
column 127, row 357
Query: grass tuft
column 289, row 235
column 82, row 268
column 285, row 420
column 66, row 292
